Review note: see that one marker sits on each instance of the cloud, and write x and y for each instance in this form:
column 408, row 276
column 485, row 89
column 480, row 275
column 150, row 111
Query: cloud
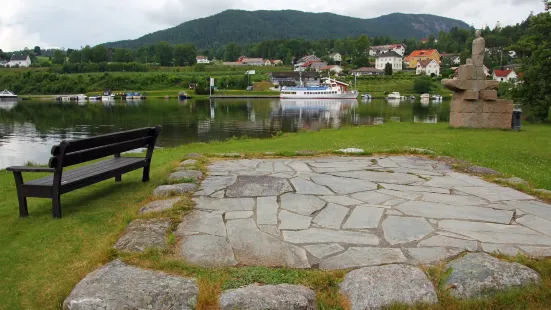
column 75, row 23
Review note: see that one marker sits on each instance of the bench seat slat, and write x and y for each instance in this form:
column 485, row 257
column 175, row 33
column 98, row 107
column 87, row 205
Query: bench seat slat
column 78, row 174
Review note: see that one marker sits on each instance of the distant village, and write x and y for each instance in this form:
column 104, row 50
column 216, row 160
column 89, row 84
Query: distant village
column 387, row 59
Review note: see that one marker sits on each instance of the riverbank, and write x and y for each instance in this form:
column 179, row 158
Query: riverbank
column 42, row 259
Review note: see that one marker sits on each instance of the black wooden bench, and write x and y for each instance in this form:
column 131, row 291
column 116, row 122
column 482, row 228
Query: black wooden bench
column 69, row 153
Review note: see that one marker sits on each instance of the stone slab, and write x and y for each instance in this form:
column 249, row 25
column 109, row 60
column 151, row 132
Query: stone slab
column 457, row 200
column 498, row 106
column 495, row 233
column 495, row 194
column 120, row 286
column 344, row 186
column 537, row 208
column 415, row 189
column 252, row 247
column 266, row 210
column 318, row 235
column 201, row 222
column 373, row 198
column 356, row 257
column 224, row 204
column 331, row 216
column 379, row 177
column 301, row 204
column 370, row 288
column 142, row 234
column 399, row 194
column 445, row 182
column 431, row 255
column 232, row 215
column 504, row 249
column 175, row 189
column 323, row 250
column 159, row 205
column 479, row 275
column 364, row 218
column 207, row 251
column 443, row 211
column 258, row 186
column 272, row 297
column 305, row 187
column 342, row 200
column 536, row 223
column 444, row 241
column 399, row 229
column 213, row 184
column 536, row 251
column 293, row 221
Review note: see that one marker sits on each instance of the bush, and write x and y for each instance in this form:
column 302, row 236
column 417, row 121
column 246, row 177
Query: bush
column 422, row 84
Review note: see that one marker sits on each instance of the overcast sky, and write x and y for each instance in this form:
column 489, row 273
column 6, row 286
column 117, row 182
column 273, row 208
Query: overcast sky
column 76, row 23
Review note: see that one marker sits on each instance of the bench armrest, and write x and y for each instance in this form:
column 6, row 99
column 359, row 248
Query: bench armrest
column 29, row 169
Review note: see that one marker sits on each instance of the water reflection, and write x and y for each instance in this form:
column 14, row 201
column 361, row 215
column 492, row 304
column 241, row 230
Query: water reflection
column 29, row 129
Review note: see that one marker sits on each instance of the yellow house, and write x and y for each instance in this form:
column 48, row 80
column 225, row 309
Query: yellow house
column 420, row 55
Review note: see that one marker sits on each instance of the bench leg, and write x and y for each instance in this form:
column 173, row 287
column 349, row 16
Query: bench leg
column 118, row 178
column 56, row 206
column 145, row 177
column 23, row 210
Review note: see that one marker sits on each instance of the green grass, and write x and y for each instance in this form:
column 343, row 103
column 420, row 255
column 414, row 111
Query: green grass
column 41, row 259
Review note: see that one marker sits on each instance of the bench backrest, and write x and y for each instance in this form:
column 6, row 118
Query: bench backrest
column 69, row 153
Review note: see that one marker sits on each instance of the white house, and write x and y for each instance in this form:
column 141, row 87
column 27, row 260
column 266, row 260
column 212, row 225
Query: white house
column 20, row 60
column 381, row 49
column 391, row 57
column 334, row 68
column 202, row 60
column 337, row 58
column 504, row 75
column 453, row 59
column 428, row 67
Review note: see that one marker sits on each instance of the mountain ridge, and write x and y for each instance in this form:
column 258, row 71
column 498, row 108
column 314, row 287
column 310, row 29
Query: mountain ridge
column 245, row 27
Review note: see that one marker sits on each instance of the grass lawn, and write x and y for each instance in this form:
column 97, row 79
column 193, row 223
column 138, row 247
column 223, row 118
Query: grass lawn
column 41, row 259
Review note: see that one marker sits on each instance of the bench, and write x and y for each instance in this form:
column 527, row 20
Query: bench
column 69, row 153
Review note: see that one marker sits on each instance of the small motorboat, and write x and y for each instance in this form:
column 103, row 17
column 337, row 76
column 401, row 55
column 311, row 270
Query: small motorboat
column 6, row 95
column 107, row 96
column 412, row 97
column 436, row 97
column 394, row 95
column 80, row 97
column 63, row 98
column 425, row 96
column 366, row 96
column 183, row 95
column 94, row 98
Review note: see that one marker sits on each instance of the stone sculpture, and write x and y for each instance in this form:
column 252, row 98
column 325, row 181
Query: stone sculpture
column 475, row 102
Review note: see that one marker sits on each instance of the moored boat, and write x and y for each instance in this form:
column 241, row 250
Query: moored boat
column 80, row 97
column 107, row 96
column 94, row 98
column 394, row 95
column 183, row 95
column 366, row 96
column 425, row 96
column 6, row 95
column 329, row 89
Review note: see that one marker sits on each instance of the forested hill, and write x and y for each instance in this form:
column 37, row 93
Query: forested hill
column 254, row 26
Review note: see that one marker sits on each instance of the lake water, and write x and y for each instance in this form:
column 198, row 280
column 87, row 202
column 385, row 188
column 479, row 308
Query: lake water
column 29, row 129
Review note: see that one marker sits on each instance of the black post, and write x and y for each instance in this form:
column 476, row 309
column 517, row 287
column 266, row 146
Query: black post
column 119, row 177
column 149, row 155
column 56, row 190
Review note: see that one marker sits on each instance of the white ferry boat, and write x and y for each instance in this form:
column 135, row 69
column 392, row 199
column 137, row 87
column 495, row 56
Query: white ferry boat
column 7, row 96
column 329, row 89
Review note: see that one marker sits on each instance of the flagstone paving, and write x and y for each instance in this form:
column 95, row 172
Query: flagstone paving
column 352, row 212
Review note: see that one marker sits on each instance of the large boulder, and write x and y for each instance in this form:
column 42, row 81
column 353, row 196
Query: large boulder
column 269, row 297
column 380, row 286
column 120, row 286
column 143, row 234
column 479, row 275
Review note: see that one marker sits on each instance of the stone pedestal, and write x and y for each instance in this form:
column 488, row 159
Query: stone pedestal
column 475, row 103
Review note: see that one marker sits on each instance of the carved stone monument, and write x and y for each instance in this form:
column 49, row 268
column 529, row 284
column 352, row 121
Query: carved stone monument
column 475, row 102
